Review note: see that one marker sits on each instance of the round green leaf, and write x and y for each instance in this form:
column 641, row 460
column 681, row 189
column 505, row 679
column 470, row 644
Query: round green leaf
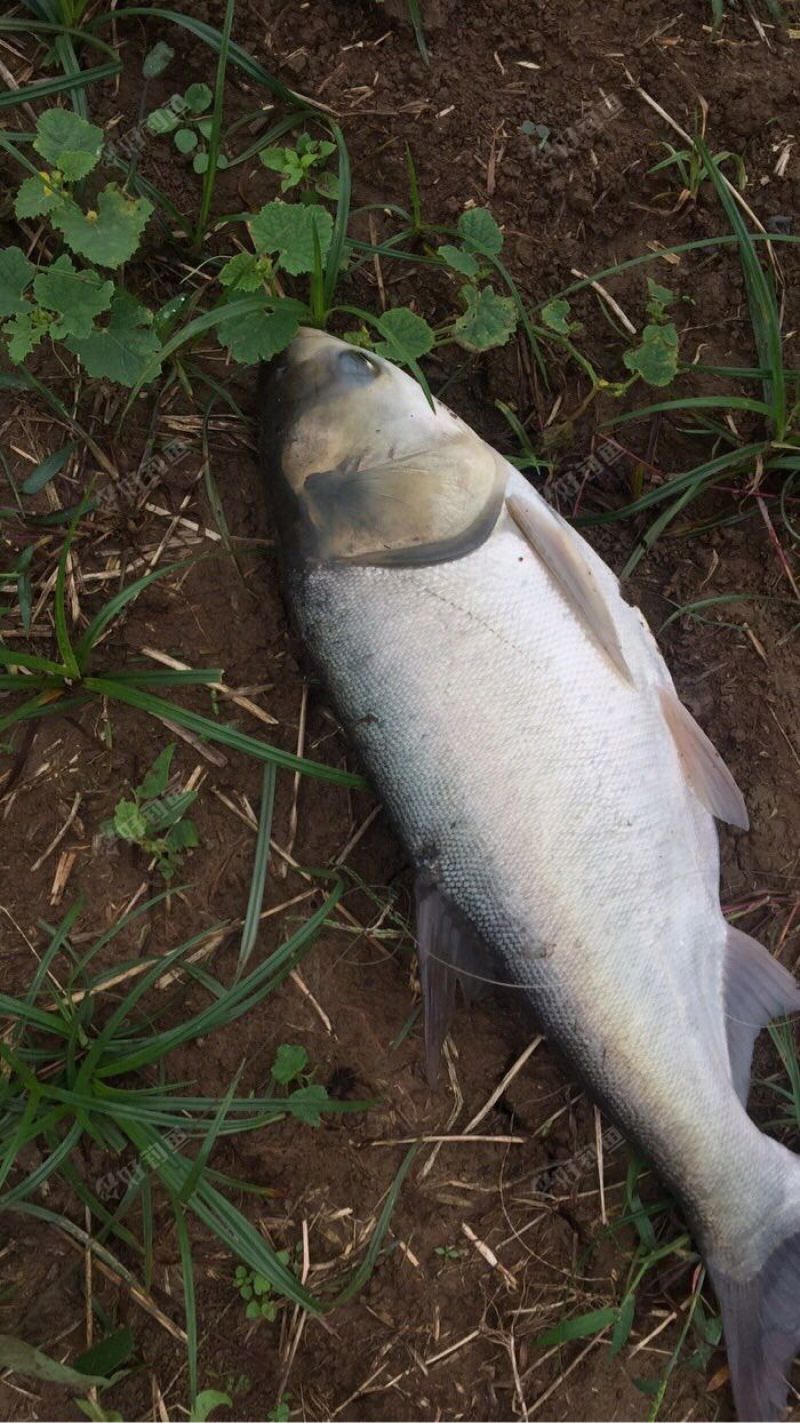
column 108, row 235
column 15, row 274
column 488, row 321
column 656, row 359
column 200, row 162
column 459, row 260
column 407, row 336
column 156, row 60
column 479, row 230
column 77, row 297
column 68, row 142
column 288, row 230
column 185, row 139
column 198, row 97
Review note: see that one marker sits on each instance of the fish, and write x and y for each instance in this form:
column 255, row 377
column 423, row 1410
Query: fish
column 556, row 798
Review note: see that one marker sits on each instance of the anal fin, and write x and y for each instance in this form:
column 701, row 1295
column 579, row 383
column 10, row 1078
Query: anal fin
column 703, row 766
column 449, row 950
column 757, row 989
column 559, row 551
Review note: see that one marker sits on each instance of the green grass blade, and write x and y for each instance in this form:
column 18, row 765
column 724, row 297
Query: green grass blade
column 220, row 732
column 260, row 868
column 365, row 1269
column 342, row 219
column 215, row 136
column 115, row 605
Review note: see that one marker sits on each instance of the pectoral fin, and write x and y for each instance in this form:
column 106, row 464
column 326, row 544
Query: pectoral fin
column 703, row 766
column 449, row 951
column 562, row 556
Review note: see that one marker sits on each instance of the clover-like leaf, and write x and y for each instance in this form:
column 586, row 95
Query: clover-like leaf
column 156, row 60
column 109, row 235
column 478, row 229
column 185, row 140
column 76, row 297
column 156, row 779
column 163, row 120
column 406, row 335
column 15, row 275
column 489, row 319
column 123, row 349
column 556, row 315
column 25, row 330
column 38, row 196
column 259, row 335
column 245, row 272
column 290, row 1059
column 287, row 229
column 656, row 359
column 198, row 98
column 68, row 142
column 306, row 1103
column 129, row 823
column 459, row 260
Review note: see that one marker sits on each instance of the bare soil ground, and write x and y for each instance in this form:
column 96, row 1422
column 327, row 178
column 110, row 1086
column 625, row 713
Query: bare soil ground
column 481, row 1264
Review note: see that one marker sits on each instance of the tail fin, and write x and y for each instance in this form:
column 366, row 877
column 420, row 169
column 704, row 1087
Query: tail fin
column 761, row 1320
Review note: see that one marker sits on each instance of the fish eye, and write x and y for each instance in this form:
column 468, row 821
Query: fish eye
column 357, row 365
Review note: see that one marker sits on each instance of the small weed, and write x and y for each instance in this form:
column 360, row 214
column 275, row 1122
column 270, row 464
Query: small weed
column 186, row 118
column 257, row 1292
column 449, row 1252
column 156, row 821
column 304, row 166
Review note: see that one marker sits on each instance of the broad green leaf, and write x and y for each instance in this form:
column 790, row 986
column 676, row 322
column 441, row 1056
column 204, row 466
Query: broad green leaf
column 156, row 60
column 182, row 836
column 109, row 235
column 459, row 260
column 157, row 778
column 161, row 121
column 245, row 272
column 581, row 1327
column 306, row 1103
column 24, row 1359
column 656, row 359
column 198, row 97
column 107, row 1355
column 25, row 330
column 207, row 1400
column 488, row 321
column 407, row 336
column 76, row 297
column 556, row 315
column 123, row 349
column 277, row 159
column 660, row 296
column 129, row 823
column 15, row 274
column 287, row 229
column 260, row 334
column 68, row 142
column 37, row 197
column 185, row 140
column 479, row 229
column 290, row 1059
column 47, row 470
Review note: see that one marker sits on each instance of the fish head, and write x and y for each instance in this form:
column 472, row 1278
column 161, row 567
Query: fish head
column 363, row 467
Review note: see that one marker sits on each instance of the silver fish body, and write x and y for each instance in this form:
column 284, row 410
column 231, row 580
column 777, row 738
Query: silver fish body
column 517, row 719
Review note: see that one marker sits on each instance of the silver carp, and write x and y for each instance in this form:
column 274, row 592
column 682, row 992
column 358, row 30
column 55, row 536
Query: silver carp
column 557, row 799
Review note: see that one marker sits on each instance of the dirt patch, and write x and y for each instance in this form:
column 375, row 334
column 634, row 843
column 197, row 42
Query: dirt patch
column 441, row 1330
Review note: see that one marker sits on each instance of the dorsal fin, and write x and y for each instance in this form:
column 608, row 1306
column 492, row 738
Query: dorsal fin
column 562, row 556
column 703, row 766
